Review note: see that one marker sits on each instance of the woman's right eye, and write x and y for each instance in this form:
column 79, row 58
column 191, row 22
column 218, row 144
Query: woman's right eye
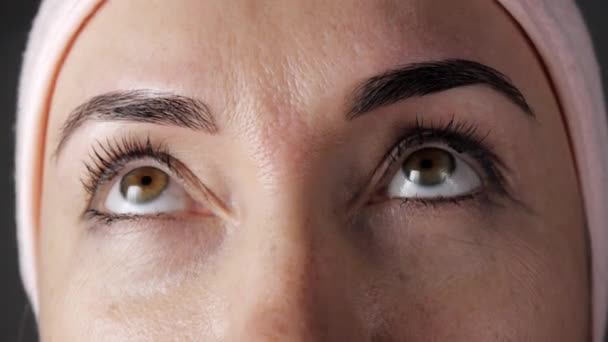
column 145, row 190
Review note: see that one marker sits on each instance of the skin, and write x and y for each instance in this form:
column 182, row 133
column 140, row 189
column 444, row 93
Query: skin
column 283, row 254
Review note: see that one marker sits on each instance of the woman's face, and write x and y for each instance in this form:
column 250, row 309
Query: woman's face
column 309, row 170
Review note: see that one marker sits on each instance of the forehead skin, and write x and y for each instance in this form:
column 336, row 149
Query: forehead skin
column 297, row 51
column 277, row 76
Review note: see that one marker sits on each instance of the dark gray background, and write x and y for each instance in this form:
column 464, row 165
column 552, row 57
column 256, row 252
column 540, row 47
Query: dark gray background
column 16, row 321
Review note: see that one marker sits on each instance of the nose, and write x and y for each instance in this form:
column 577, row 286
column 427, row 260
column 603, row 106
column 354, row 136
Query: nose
column 289, row 277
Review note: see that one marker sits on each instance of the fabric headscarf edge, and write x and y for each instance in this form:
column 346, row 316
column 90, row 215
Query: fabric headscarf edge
column 559, row 34
column 48, row 42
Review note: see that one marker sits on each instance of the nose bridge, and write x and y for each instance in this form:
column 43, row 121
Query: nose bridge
column 280, row 274
column 280, row 287
column 281, row 283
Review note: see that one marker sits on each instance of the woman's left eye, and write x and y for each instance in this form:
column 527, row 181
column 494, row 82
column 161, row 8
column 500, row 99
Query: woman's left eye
column 433, row 172
column 143, row 191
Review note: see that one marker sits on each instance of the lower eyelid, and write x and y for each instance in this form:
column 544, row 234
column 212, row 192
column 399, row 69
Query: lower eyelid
column 481, row 203
column 128, row 222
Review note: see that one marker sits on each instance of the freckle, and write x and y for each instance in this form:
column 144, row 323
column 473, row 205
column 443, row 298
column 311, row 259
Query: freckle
column 273, row 249
column 113, row 310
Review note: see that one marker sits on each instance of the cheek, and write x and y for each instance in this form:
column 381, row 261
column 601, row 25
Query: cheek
column 138, row 287
column 456, row 275
column 449, row 275
column 87, row 313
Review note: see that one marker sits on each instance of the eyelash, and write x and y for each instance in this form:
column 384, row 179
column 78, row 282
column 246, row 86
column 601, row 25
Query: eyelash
column 107, row 160
column 463, row 138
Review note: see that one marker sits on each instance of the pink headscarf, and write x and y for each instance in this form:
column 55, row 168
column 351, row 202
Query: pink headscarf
column 555, row 27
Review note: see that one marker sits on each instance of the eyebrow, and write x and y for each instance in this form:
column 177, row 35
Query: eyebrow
column 144, row 106
column 412, row 80
column 420, row 79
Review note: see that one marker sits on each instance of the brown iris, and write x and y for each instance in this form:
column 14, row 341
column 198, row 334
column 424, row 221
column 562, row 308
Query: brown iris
column 143, row 184
column 429, row 166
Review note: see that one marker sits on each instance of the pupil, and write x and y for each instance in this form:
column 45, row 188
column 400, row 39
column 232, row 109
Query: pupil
column 429, row 166
column 146, row 180
column 143, row 185
column 426, row 164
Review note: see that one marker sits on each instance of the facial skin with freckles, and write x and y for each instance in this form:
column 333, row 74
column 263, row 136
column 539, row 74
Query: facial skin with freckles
column 284, row 218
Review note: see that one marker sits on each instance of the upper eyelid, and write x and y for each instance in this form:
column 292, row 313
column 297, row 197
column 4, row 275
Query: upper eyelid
column 126, row 166
column 398, row 151
column 98, row 178
column 384, row 166
column 111, row 152
column 162, row 155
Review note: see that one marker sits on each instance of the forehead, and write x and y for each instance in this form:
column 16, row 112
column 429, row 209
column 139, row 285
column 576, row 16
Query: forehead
column 289, row 52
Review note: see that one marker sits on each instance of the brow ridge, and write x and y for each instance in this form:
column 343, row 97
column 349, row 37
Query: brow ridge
column 146, row 106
